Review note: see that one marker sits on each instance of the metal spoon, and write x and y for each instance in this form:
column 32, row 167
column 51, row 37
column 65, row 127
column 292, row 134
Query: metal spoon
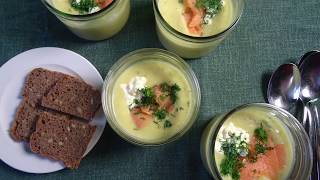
column 310, row 79
column 284, row 91
column 310, row 92
column 306, row 55
column 310, row 69
column 284, row 86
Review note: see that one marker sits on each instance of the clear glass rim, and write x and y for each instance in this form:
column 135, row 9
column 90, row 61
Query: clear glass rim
column 195, row 38
column 295, row 122
column 80, row 17
column 112, row 76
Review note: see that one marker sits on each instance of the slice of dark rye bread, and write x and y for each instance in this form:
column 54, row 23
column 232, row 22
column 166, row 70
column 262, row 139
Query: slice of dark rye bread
column 73, row 96
column 25, row 122
column 38, row 82
column 60, row 138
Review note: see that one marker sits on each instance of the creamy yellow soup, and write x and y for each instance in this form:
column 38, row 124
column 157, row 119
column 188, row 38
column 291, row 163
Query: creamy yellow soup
column 248, row 120
column 172, row 11
column 155, row 72
column 65, row 6
column 98, row 27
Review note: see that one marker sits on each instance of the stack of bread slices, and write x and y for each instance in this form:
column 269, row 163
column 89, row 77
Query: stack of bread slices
column 54, row 116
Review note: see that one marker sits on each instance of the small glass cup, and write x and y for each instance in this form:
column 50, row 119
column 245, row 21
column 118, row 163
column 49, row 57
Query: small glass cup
column 303, row 157
column 96, row 26
column 145, row 55
column 189, row 46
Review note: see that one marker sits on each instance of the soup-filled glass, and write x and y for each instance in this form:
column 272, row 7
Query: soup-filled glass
column 151, row 68
column 189, row 46
column 96, row 26
column 298, row 155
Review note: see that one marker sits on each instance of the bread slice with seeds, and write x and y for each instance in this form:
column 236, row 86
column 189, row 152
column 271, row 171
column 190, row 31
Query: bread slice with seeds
column 38, row 82
column 25, row 122
column 73, row 96
column 60, row 138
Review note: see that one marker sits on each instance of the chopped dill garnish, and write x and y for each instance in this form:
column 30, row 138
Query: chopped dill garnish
column 172, row 91
column 261, row 146
column 260, row 149
column 165, row 87
column 83, row 6
column 147, row 97
column 233, row 149
column 167, row 124
column 236, row 149
column 261, row 134
column 161, row 114
column 212, row 7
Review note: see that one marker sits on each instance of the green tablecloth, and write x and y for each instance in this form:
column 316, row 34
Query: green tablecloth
column 270, row 33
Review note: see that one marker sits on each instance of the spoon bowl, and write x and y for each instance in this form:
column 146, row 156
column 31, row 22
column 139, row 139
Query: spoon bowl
column 284, row 86
column 310, row 75
column 307, row 54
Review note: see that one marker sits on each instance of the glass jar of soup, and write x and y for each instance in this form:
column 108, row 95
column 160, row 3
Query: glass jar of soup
column 289, row 156
column 95, row 26
column 174, row 36
column 146, row 75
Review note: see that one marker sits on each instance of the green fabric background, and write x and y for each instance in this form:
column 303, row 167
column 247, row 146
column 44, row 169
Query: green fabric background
column 270, row 32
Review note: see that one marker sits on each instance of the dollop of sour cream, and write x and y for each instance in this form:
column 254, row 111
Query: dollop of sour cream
column 95, row 9
column 131, row 89
column 231, row 130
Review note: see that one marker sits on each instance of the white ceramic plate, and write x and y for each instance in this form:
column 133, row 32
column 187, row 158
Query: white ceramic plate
column 12, row 76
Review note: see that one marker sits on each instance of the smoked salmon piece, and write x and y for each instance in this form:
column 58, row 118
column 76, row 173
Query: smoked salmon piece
column 141, row 116
column 164, row 101
column 268, row 165
column 103, row 3
column 146, row 110
column 193, row 17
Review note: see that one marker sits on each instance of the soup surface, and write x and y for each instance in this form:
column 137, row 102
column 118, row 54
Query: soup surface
column 80, row 7
column 253, row 144
column 152, row 100
column 188, row 18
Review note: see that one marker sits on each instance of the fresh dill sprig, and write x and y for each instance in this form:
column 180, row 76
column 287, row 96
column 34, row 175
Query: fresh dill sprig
column 233, row 151
column 211, row 7
column 261, row 146
column 83, row 6
column 167, row 124
column 214, row 6
column 172, row 91
column 161, row 114
column 147, row 97
column 261, row 134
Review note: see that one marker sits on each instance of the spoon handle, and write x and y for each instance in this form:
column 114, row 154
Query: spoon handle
column 316, row 138
column 306, row 119
column 309, row 120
